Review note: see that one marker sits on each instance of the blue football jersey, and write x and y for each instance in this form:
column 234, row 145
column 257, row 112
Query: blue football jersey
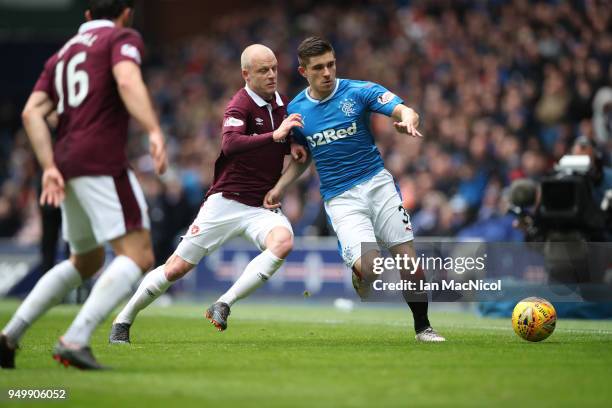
column 337, row 132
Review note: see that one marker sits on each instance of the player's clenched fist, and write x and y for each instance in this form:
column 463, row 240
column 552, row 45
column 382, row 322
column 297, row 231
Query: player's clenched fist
column 272, row 198
column 298, row 152
column 293, row 120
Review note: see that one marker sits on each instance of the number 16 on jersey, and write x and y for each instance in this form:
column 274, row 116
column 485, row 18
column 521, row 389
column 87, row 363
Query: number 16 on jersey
column 77, row 81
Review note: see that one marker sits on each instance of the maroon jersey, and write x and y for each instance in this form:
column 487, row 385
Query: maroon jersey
column 93, row 121
column 250, row 162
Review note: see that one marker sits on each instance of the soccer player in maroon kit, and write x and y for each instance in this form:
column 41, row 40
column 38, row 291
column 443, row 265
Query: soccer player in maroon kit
column 253, row 146
column 93, row 84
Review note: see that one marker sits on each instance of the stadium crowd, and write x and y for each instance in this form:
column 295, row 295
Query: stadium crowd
column 503, row 88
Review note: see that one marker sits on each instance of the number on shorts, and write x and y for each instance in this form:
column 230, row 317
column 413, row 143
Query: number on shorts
column 406, row 218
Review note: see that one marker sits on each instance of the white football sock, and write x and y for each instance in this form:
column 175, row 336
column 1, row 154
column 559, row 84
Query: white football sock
column 152, row 286
column 112, row 287
column 259, row 270
column 48, row 291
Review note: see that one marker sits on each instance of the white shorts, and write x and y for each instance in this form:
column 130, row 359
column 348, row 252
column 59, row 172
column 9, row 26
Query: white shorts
column 98, row 209
column 221, row 219
column 370, row 212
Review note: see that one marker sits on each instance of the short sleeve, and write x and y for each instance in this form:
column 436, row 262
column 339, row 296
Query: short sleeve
column 378, row 99
column 296, row 134
column 298, row 137
column 127, row 45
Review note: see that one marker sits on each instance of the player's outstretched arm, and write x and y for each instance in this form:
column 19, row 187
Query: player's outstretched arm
column 406, row 120
column 34, row 115
column 293, row 172
column 235, row 140
column 135, row 96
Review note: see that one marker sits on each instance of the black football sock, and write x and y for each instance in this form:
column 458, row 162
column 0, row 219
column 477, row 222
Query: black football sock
column 418, row 305
column 417, row 301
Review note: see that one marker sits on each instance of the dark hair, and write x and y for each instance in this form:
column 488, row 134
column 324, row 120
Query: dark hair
column 313, row 47
column 110, row 9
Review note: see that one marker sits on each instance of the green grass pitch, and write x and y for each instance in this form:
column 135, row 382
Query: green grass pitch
column 277, row 355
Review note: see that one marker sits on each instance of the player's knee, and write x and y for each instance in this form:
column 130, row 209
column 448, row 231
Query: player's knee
column 364, row 267
column 137, row 246
column 146, row 260
column 280, row 242
column 284, row 246
column 88, row 263
column 176, row 267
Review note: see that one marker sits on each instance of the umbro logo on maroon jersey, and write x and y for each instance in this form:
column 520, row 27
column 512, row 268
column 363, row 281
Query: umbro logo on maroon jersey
column 259, row 121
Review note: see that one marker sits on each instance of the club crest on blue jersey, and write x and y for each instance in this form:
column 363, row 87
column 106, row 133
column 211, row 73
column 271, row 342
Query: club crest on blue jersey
column 347, row 106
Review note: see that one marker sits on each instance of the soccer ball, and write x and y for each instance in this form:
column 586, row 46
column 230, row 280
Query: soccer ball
column 534, row 319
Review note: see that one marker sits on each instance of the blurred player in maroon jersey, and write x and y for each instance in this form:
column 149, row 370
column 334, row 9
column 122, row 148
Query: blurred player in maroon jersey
column 254, row 144
column 93, row 84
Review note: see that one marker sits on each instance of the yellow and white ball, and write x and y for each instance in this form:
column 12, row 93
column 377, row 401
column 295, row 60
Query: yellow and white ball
column 534, row 319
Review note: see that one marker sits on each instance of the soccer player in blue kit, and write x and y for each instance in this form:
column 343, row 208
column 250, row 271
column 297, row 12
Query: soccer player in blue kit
column 360, row 196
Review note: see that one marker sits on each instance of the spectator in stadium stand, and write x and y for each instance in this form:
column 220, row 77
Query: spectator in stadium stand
column 476, row 61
